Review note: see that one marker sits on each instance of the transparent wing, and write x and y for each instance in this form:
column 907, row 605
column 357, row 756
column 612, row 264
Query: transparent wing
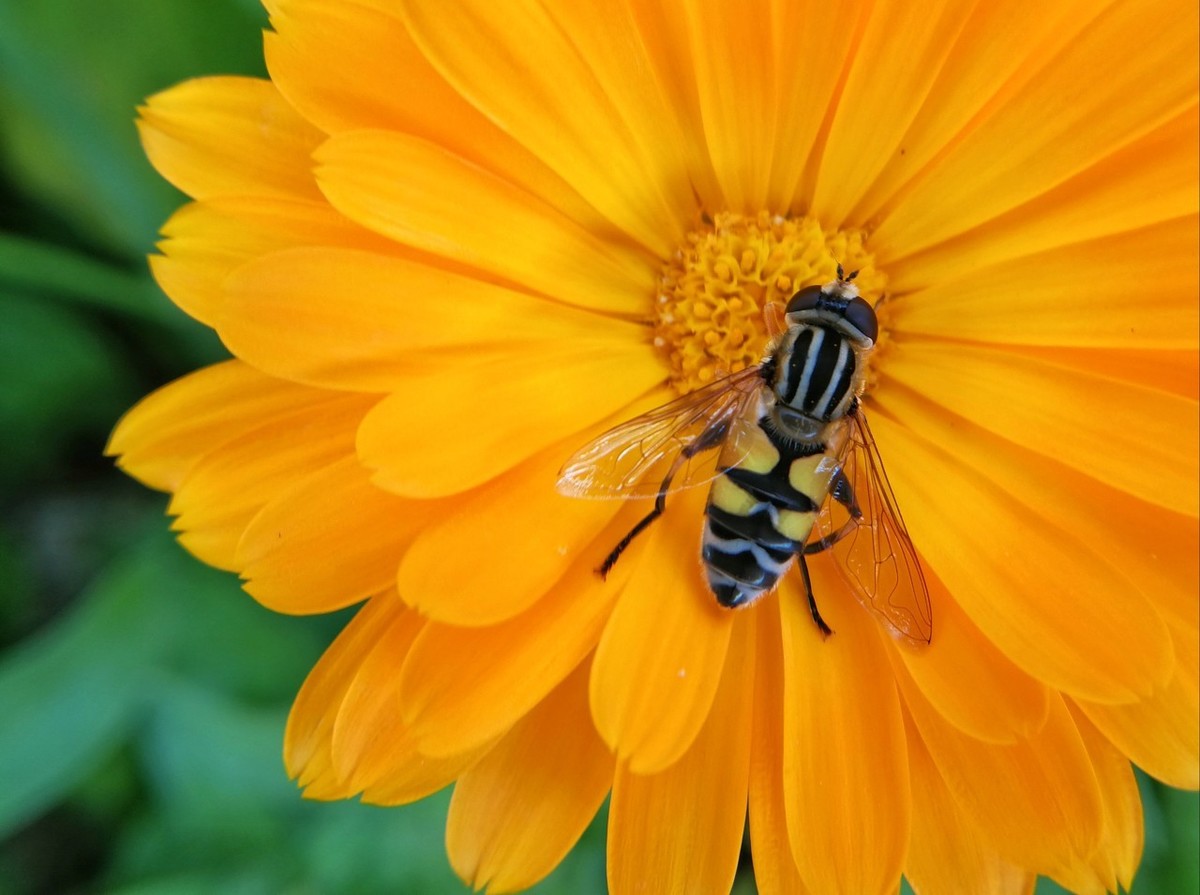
column 632, row 459
column 873, row 550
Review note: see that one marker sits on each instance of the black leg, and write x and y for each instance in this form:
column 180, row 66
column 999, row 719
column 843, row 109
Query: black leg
column 710, row 438
column 812, row 601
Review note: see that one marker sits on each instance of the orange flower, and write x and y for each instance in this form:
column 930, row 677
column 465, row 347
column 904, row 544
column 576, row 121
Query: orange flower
column 447, row 244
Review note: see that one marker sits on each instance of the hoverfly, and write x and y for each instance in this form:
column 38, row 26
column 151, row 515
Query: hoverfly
column 797, row 470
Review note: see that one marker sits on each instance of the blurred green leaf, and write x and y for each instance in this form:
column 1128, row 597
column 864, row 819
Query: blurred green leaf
column 71, row 77
column 61, row 376
column 31, row 267
column 75, row 689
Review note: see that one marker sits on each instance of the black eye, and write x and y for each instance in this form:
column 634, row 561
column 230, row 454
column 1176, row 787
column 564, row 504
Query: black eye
column 861, row 316
column 804, row 300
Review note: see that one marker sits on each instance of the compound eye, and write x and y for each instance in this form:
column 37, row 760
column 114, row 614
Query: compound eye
column 861, row 316
column 804, row 300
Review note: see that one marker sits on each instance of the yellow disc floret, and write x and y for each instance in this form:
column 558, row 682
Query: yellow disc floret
column 714, row 293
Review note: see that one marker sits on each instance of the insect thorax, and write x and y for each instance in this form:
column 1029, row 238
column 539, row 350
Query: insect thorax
column 817, row 372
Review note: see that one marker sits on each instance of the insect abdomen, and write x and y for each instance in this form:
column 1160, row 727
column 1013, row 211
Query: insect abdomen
column 758, row 517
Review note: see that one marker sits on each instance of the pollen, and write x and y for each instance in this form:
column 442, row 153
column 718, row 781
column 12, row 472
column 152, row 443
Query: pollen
column 713, row 294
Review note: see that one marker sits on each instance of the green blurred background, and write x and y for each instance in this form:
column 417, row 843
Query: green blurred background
column 143, row 695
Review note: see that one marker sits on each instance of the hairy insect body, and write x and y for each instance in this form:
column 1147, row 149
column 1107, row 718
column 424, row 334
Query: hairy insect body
column 762, row 509
column 760, row 514
column 798, row 472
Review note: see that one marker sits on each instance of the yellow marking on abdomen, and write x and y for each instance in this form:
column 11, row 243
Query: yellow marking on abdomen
column 810, row 476
column 731, row 497
column 795, row 524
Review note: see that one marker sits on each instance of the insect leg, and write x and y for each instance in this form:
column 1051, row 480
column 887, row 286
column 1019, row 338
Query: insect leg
column 812, row 601
column 843, row 493
column 709, row 438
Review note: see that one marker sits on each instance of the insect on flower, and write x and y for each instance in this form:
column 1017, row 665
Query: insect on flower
column 797, row 471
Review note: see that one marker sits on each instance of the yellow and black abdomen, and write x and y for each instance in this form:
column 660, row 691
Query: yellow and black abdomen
column 760, row 514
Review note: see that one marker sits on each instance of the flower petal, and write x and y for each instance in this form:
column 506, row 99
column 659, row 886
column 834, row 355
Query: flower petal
column 1056, row 121
column 1142, row 441
column 586, row 122
column 649, row 848
column 948, row 853
column 370, row 748
column 160, row 438
column 230, row 137
column 328, row 542
column 1036, row 801
column 897, row 57
column 775, row 870
column 356, row 48
column 524, row 536
column 1084, row 295
column 309, row 733
column 1002, row 556
column 736, row 84
column 206, row 241
column 500, row 672
column 659, row 660
column 516, row 813
column 1149, row 182
column 420, row 194
column 845, row 769
column 975, row 63
column 970, row 682
column 224, row 490
column 1160, row 733
column 433, row 435
column 1120, row 851
column 365, row 321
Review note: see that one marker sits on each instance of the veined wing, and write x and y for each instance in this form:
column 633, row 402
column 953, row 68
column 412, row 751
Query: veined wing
column 874, row 552
column 632, row 459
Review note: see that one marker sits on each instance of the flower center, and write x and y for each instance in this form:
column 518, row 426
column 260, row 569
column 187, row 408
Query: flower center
column 713, row 292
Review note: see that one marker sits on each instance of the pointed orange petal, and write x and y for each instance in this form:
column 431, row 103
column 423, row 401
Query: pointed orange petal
column 498, row 673
column 365, row 320
column 527, row 407
column 230, row 137
column 370, row 749
column 329, row 541
column 1148, row 183
column 1117, row 857
column 1095, row 294
column 224, row 490
column 679, row 831
column 356, row 48
column 845, row 770
column 1079, row 640
column 159, row 439
column 206, row 241
column 1161, row 733
column 524, row 537
column 659, row 661
column 775, row 870
column 517, row 813
column 970, row 682
column 309, row 732
column 561, row 110
column 948, row 854
column 1036, row 801
column 1050, row 124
